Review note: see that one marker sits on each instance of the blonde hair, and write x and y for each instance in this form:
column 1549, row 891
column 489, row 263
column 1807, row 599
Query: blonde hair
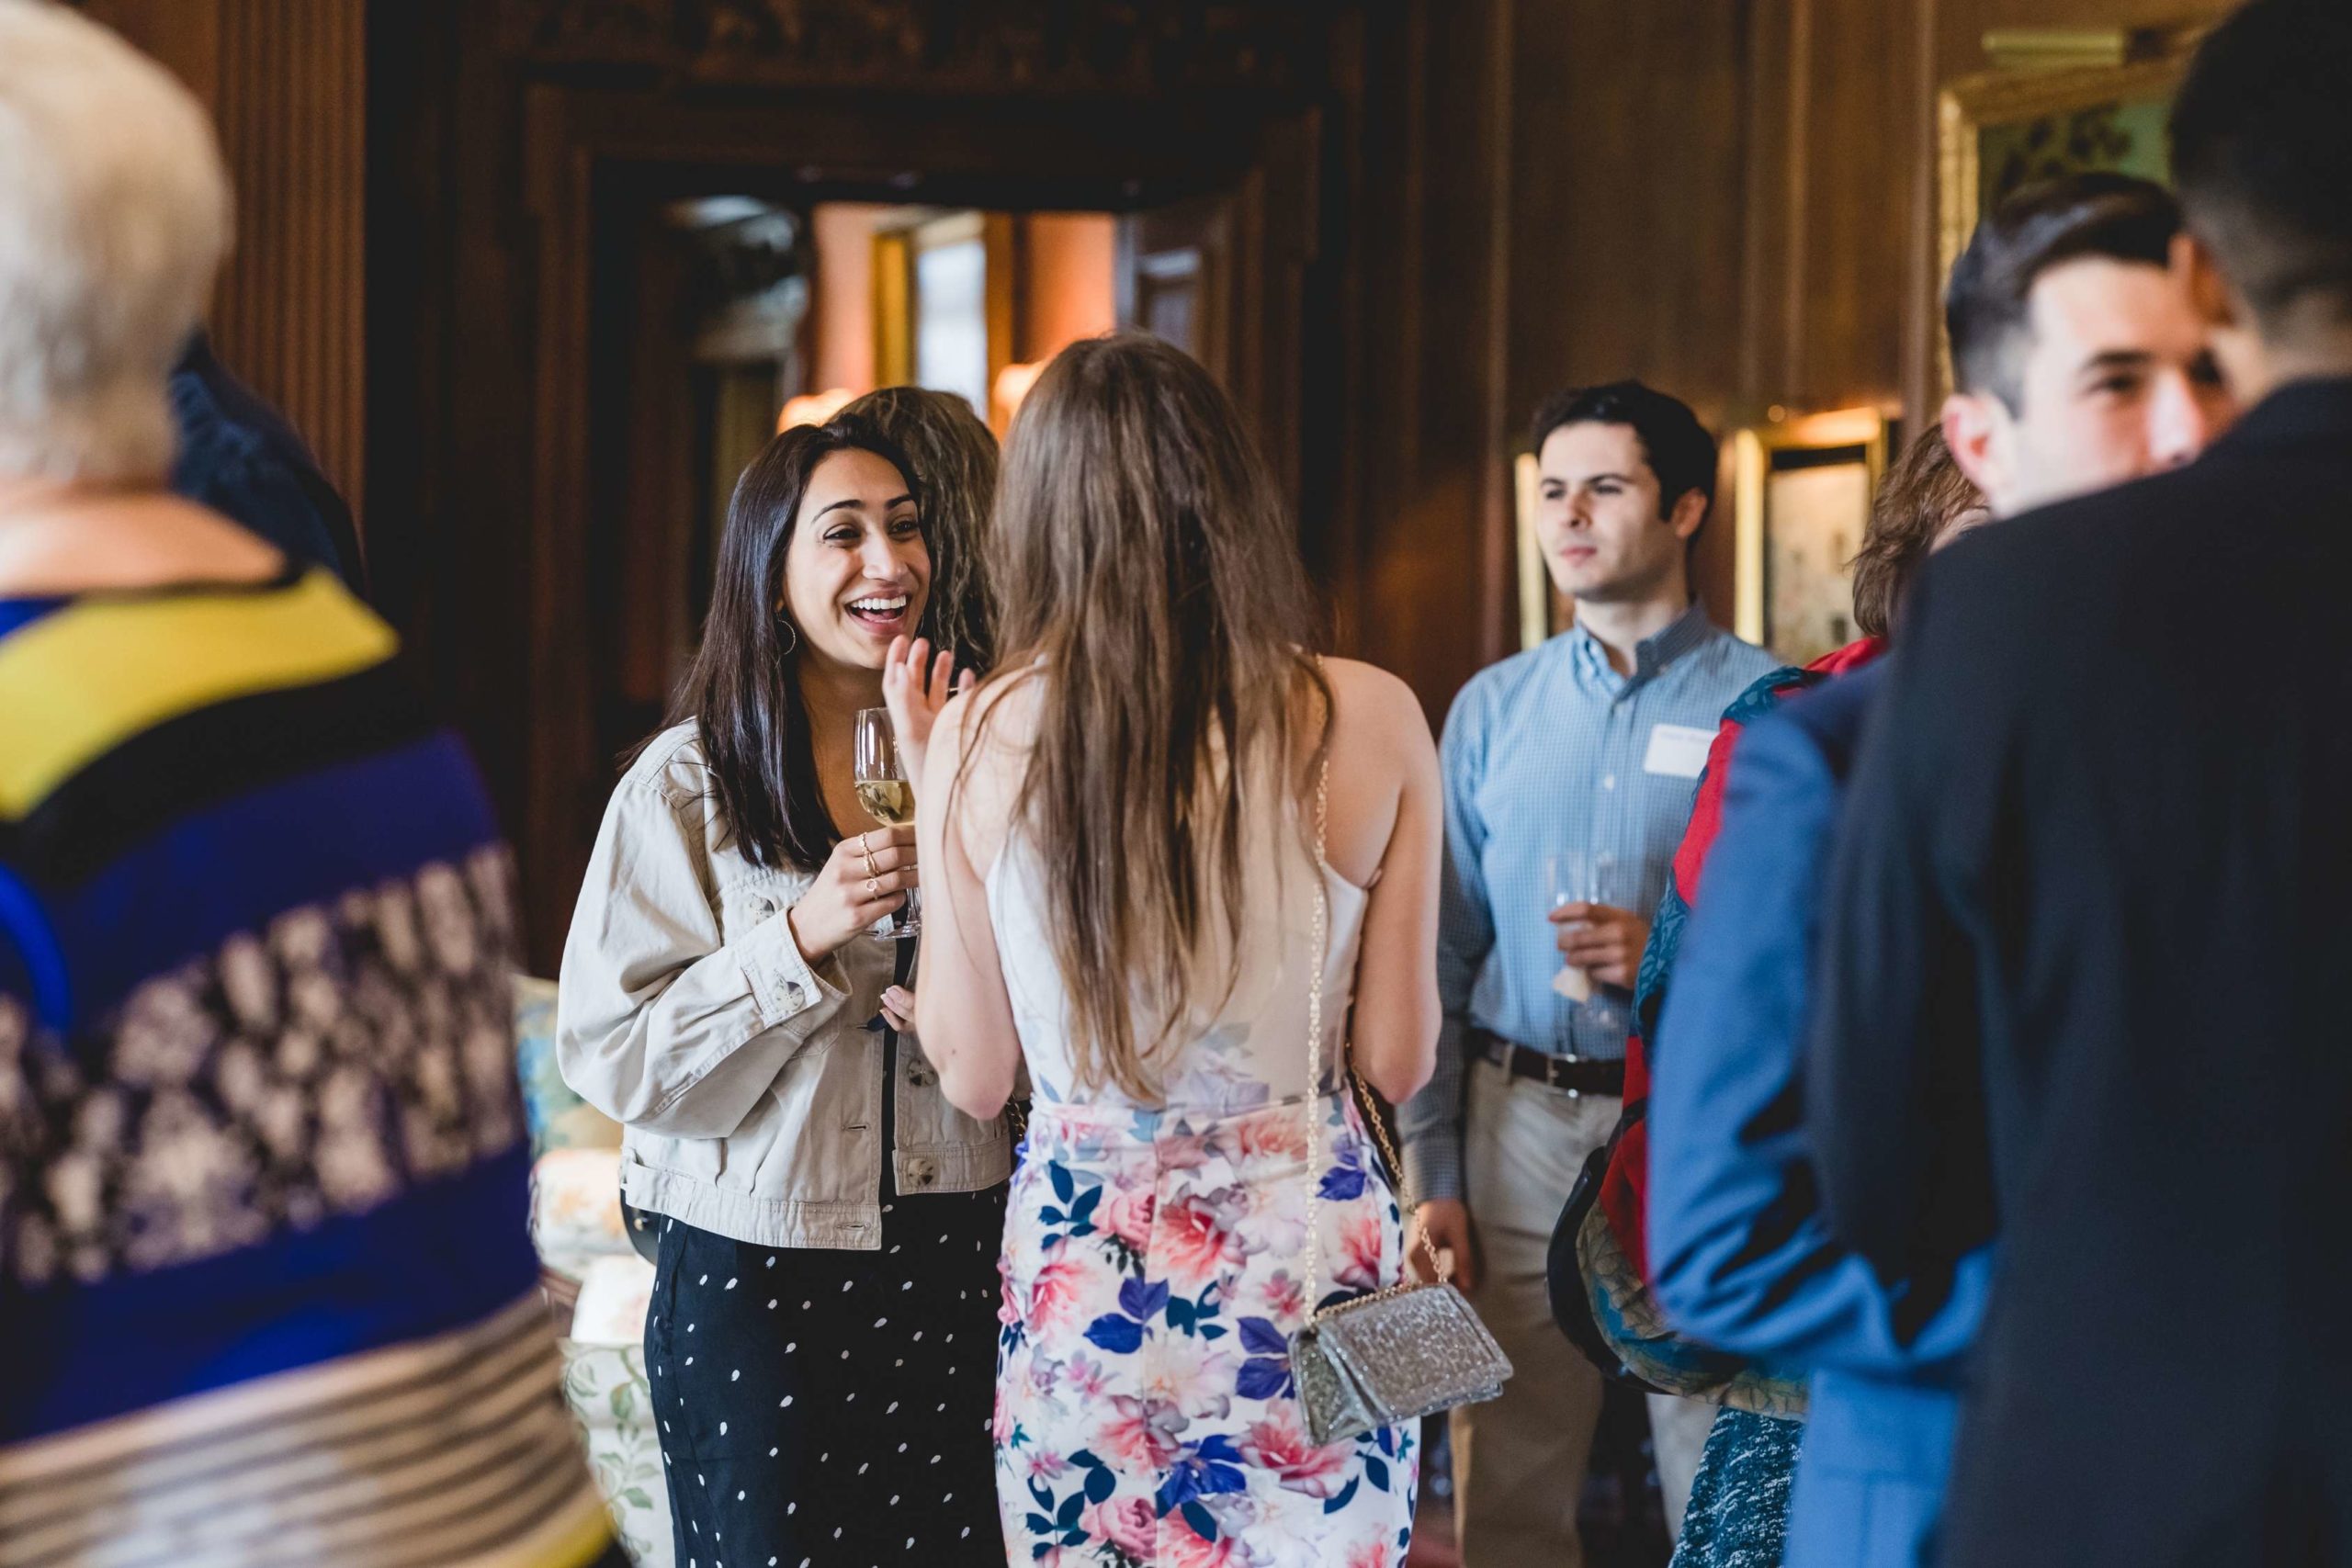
column 1148, row 588
column 115, row 214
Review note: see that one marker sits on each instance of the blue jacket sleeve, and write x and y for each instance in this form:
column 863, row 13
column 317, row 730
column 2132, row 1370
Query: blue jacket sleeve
column 1742, row 1255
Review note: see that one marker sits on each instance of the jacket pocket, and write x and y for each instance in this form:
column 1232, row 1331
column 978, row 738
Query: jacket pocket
column 809, row 1126
column 699, row 1159
column 750, row 898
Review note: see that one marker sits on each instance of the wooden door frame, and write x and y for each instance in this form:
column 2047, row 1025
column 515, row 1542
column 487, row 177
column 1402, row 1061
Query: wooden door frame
column 1076, row 153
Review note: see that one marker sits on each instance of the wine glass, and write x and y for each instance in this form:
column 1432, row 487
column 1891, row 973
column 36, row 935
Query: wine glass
column 1573, row 878
column 1602, row 887
column 886, row 792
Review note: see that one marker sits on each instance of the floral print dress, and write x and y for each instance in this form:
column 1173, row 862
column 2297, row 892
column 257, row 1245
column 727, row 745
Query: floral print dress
column 1154, row 1272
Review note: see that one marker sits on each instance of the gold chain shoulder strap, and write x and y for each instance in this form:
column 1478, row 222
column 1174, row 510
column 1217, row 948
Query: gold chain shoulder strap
column 1371, row 1110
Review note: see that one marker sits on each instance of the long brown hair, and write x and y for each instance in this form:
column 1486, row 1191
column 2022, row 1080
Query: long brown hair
column 1149, row 587
column 1917, row 500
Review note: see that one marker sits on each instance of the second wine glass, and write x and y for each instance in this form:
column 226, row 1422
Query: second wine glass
column 888, row 795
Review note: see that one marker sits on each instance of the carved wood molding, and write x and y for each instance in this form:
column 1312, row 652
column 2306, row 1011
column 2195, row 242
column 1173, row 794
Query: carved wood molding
column 1154, row 48
column 286, row 80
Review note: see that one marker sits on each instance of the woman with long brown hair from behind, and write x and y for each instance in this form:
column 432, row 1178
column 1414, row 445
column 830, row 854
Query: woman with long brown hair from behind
column 1146, row 822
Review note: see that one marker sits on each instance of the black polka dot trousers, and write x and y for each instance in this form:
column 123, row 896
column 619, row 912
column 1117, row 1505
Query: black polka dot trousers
column 824, row 1409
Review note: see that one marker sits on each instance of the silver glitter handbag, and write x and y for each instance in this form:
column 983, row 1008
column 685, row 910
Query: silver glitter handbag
column 1400, row 1354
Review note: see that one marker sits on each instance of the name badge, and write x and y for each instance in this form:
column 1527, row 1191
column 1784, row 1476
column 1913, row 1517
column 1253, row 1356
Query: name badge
column 1678, row 751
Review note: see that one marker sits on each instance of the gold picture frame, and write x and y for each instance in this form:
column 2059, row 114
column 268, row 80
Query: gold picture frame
column 1539, row 607
column 1801, row 499
column 2049, row 115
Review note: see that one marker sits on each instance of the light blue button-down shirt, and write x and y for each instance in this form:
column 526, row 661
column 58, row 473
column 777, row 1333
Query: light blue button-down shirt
column 1552, row 759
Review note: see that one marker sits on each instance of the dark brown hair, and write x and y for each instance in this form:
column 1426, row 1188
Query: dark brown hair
column 953, row 475
column 742, row 692
column 1680, row 452
column 1150, row 588
column 2262, row 149
column 1921, row 495
column 1988, row 300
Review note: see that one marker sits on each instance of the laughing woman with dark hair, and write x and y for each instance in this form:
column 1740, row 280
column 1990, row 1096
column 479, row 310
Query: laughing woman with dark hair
column 955, row 462
column 822, row 1333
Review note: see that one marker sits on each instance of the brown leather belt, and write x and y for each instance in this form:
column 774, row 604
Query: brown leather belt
column 1576, row 1074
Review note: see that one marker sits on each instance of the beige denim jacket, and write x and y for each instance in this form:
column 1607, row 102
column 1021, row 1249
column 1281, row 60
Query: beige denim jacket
column 747, row 1078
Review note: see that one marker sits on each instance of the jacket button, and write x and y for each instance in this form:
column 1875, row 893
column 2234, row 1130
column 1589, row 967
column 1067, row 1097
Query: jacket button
column 792, row 990
column 919, row 1078
column 921, row 1172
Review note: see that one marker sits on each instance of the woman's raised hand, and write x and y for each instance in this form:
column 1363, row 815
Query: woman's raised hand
column 915, row 687
column 865, row 879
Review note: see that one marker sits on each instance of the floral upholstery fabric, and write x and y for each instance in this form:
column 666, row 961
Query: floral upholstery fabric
column 576, row 1225
column 610, row 1395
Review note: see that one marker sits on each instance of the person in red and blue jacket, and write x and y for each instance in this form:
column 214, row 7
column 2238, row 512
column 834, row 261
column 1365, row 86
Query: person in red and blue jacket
column 1739, row 1510
column 2077, row 366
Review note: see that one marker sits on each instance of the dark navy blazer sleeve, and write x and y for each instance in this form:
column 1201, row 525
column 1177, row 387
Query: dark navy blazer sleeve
column 1742, row 1254
column 1894, row 1093
column 239, row 456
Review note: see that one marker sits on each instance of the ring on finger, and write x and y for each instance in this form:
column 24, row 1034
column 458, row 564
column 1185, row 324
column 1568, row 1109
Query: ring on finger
column 873, row 888
column 871, row 869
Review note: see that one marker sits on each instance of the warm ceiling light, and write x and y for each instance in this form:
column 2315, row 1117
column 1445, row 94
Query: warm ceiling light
column 814, row 408
column 1013, row 384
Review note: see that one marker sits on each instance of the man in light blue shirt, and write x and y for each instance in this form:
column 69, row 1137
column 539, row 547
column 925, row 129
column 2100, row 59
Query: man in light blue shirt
column 1569, row 774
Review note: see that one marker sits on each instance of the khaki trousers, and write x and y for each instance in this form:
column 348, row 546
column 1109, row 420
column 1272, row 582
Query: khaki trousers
column 1518, row 1462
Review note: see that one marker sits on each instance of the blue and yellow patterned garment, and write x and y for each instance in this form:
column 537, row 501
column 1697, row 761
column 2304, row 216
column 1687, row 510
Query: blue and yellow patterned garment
column 264, row 1266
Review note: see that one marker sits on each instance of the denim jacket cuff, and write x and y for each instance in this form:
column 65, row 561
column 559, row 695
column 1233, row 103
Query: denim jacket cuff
column 786, row 987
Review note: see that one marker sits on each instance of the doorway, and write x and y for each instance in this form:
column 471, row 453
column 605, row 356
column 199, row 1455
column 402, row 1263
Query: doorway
column 725, row 318
column 682, row 251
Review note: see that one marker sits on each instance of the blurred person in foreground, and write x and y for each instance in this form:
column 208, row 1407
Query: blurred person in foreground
column 2082, row 977
column 2078, row 362
column 263, row 1166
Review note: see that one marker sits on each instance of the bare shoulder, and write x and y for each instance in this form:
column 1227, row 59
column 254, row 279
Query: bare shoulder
column 995, row 716
column 1375, row 705
column 977, row 750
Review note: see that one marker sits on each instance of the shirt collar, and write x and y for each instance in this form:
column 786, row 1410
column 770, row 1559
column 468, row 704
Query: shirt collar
column 1653, row 653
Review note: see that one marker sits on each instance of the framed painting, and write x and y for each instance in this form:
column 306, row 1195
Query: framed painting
column 1543, row 613
column 2051, row 115
column 1801, row 499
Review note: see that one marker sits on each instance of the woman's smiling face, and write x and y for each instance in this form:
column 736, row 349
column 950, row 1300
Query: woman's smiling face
column 857, row 574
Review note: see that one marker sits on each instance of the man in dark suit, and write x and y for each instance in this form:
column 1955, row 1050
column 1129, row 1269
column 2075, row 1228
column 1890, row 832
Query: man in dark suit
column 2087, row 954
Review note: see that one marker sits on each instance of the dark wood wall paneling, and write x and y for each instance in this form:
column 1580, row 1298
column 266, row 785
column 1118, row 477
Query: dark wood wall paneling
column 1433, row 524
column 1628, row 195
column 1732, row 199
column 528, row 125
column 288, row 82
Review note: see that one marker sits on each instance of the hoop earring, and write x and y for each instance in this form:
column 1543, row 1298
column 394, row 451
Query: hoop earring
column 792, row 634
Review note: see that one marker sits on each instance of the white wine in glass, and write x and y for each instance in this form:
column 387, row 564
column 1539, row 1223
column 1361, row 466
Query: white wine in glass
column 888, row 801
column 888, row 796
